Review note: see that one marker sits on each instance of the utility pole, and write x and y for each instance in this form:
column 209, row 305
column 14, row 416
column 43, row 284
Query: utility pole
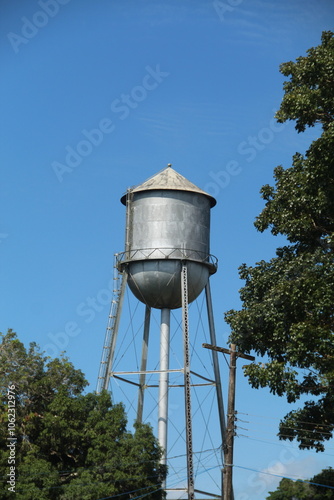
column 227, row 487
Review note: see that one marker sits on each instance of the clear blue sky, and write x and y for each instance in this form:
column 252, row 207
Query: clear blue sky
column 173, row 81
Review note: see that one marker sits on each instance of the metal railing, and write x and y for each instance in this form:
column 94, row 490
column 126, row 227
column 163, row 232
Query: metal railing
column 166, row 253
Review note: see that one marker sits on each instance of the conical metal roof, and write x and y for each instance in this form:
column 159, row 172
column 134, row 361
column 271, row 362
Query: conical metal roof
column 171, row 180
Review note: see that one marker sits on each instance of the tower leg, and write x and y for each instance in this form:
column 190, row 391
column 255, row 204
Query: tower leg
column 163, row 384
column 143, row 364
column 216, row 364
column 217, row 377
column 187, row 384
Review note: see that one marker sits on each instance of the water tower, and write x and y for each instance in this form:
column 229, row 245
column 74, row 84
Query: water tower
column 167, row 265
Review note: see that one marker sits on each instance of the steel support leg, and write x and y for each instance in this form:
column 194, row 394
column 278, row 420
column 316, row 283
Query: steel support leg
column 187, row 386
column 217, row 376
column 143, row 364
column 216, row 370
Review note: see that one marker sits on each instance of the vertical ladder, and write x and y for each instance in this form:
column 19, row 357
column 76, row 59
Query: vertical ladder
column 120, row 281
column 112, row 328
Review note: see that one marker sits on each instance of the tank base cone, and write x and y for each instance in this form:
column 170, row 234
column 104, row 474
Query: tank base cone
column 157, row 283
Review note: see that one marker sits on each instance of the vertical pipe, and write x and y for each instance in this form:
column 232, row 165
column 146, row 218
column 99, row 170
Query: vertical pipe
column 143, row 364
column 163, row 384
column 128, row 224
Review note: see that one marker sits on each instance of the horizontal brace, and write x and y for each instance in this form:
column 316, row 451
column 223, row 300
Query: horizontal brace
column 228, row 351
column 193, row 385
column 181, row 370
column 176, row 489
column 127, row 381
column 112, row 374
column 150, row 386
column 209, row 494
column 201, row 376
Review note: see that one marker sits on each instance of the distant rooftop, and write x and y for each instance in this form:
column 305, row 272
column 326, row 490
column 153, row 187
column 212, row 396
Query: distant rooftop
column 169, row 179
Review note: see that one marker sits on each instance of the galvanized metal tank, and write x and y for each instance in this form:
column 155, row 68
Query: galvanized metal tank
column 168, row 222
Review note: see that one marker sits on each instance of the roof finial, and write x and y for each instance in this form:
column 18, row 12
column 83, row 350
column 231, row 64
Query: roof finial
column 169, row 165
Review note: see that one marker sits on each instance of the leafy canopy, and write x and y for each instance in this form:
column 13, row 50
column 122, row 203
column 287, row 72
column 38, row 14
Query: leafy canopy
column 319, row 487
column 69, row 445
column 288, row 303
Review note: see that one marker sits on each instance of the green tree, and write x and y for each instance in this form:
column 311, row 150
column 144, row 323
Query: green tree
column 287, row 310
column 290, row 490
column 68, row 445
column 319, row 487
column 319, row 483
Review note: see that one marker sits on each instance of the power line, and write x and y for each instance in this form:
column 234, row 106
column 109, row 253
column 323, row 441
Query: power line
column 300, row 429
column 284, row 477
column 282, row 445
column 287, row 436
column 276, row 418
column 132, row 464
column 97, row 482
column 128, row 492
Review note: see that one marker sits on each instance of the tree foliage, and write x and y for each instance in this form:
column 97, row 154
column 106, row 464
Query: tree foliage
column 319, row 487
column 69, row 445
column 287, row 313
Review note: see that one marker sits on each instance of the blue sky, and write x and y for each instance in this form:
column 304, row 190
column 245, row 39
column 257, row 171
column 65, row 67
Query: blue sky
column 99, row 95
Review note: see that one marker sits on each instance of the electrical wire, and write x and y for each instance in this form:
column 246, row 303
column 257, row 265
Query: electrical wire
column 281, row 444
column 134, row 491
column 300, row 429
column 120, row 465
column 305, row 430
column 179, row 479
column 288, row 436
column 284, row 477
column 276, row 418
